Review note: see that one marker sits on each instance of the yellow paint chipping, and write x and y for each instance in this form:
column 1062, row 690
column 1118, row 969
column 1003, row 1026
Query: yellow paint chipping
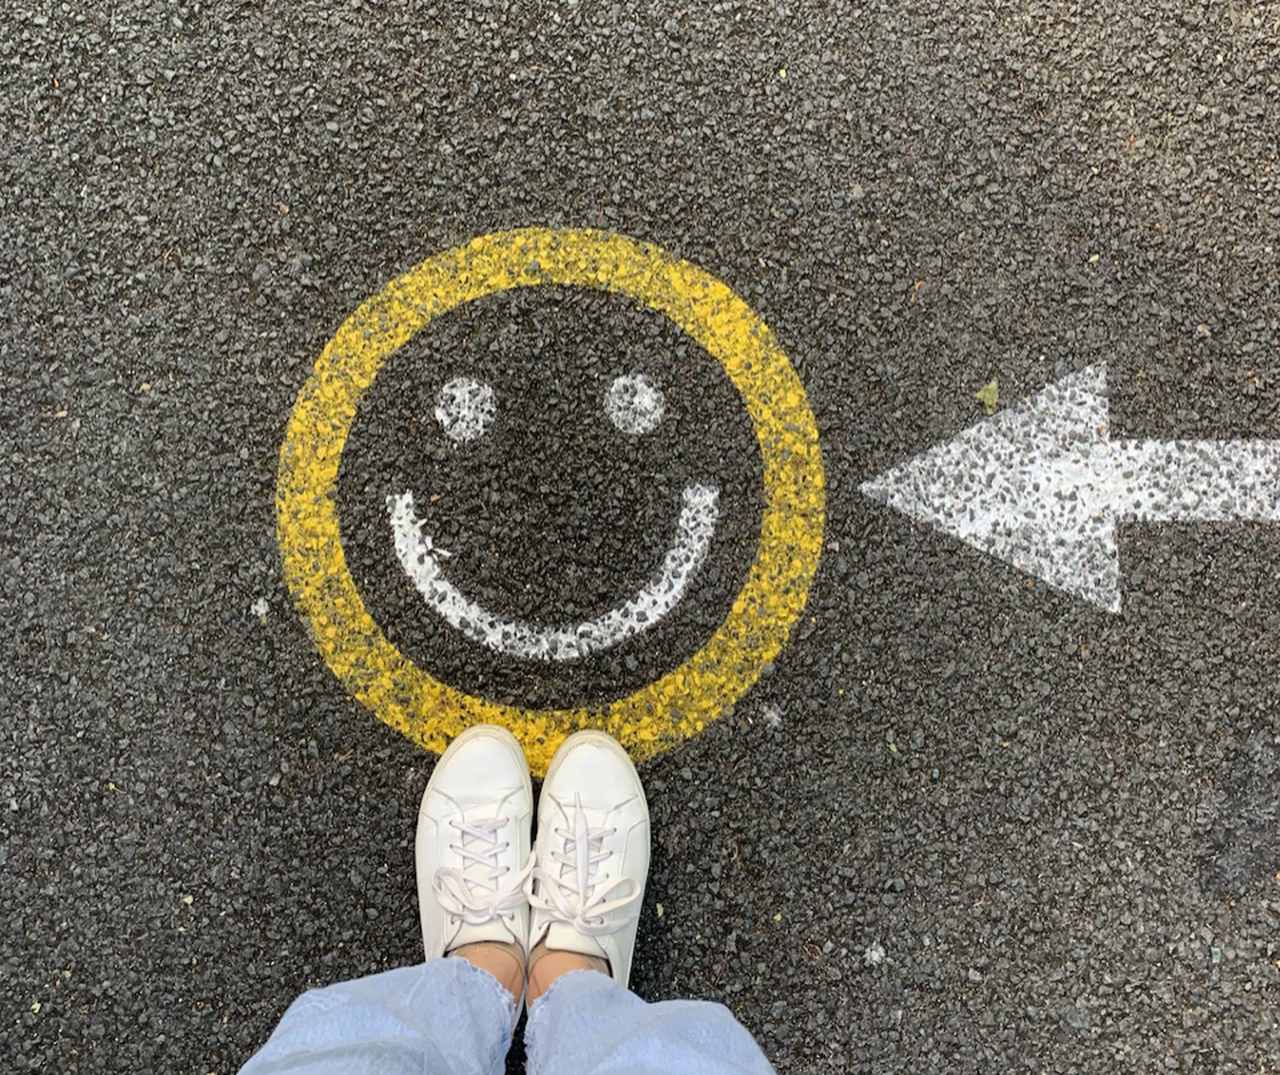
column 678, row 704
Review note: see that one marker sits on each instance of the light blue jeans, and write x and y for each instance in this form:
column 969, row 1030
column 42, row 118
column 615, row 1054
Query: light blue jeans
column 447, row 1017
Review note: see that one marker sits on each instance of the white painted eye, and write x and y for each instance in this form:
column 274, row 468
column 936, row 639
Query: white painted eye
column 465, row 409
column 634, row 404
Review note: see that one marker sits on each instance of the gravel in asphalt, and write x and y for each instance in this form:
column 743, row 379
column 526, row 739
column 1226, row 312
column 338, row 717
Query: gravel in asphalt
column 965, row 822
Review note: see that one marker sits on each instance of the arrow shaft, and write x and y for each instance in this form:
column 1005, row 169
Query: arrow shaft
column 1190, row 480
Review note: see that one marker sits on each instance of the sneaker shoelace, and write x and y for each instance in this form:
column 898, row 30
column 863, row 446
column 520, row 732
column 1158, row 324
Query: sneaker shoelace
column 569, row 890
column 473, row 891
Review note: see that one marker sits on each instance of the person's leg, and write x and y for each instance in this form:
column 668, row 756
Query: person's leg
column 586, row 889
column 449, row 1016
column 445, row 1017
column 588, row 1024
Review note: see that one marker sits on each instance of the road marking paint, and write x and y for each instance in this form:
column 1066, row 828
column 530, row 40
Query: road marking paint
column 515, row 638
column 674, row 706
column 464, row 409
column 634, row 404
column 1042, row 486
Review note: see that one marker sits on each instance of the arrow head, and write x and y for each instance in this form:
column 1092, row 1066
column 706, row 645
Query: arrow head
column 1025, row 486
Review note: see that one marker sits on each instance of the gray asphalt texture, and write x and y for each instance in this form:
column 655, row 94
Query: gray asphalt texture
column 966, row 824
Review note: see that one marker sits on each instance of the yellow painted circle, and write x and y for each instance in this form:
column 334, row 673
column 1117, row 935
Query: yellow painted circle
column 679, row 703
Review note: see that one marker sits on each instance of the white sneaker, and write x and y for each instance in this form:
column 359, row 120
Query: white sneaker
column 592, row 853
column 472, row 847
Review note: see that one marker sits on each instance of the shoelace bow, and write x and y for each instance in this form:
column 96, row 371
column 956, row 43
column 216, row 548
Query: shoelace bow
column 569, row 890
column 471, row 891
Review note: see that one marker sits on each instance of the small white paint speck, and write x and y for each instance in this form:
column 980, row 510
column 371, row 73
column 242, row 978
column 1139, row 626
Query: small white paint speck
column 874, row 955
column 259, row 608
column 772, row 717
column 465, row 409
column 634, row 404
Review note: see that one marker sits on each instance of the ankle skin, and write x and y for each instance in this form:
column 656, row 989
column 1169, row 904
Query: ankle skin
column 546, row 965
column 505, row 962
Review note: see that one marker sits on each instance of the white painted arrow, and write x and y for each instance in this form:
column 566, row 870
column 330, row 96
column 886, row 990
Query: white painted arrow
column 1042, row 486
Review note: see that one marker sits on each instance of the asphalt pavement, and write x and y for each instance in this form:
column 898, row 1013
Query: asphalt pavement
column 962, row 821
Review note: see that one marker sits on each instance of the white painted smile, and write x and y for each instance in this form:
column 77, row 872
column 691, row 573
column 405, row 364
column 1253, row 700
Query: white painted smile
column 664, row 590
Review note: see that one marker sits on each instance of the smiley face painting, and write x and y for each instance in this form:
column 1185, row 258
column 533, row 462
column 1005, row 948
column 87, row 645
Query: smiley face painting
column 634, row 405
column 516, row 526
column 532, row 506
